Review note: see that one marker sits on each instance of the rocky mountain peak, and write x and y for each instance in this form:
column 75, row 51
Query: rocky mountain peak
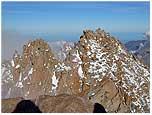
column 104, row 57
column 98, row 67
column 32, row 70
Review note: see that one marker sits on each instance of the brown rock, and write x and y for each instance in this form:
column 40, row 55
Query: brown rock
column 112, row 76
column 110, row 97
column 8, row 105
column 64, row 104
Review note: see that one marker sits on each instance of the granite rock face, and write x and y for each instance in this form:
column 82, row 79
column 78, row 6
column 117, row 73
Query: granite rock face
column 98, row 68
column 31, row 72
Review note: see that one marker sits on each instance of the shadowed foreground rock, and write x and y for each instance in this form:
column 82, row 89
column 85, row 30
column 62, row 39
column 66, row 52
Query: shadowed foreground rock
column 48, row 104
column 98, row 108
column 26, row 106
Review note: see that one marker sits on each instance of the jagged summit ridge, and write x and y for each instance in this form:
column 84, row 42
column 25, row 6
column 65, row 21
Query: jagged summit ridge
column 97, row 67
column 106, row 57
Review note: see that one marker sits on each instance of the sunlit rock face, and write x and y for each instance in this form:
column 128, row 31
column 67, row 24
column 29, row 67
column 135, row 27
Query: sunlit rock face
column 104, row 57
column 31, row 72
column 98, row 67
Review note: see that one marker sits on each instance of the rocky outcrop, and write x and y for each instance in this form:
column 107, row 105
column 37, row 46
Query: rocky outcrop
column 32, row 71
column 98, row 67
column 53, row 104
column 64, row 104
column 8, row 105
column 111, row 97
column 105, row 57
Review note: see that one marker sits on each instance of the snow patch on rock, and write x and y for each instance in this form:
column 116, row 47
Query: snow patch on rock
column 55, row 81
column 80, row 72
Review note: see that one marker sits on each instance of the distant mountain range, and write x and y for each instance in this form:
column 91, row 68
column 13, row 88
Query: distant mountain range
column 61, row 48
column 140, row 48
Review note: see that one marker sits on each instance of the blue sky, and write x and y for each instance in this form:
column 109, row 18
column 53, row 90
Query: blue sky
column 70, row 18
column 53, row 21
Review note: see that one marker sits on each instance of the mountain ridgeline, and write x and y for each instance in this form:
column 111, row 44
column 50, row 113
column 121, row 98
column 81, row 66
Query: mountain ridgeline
column 141, row 49
column 98, row 68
